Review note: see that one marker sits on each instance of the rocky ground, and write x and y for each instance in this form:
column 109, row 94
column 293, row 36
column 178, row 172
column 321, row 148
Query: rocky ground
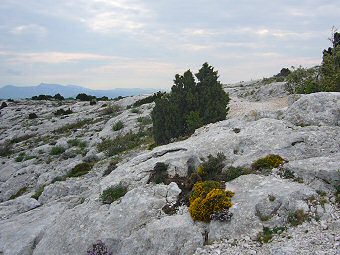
column 68, row 216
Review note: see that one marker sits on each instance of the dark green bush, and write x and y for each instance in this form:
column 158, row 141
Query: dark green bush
column 148, row 99
column 211, row 168
column 80, row 169
column 113, row 193
column 118, row 126
column 84, row 97
column 189, row 105
column 32, row 116
column 60, row 112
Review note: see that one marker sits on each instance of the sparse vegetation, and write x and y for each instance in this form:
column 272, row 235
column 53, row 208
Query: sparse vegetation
column 112, row 166
column 80, row 169
column 135, row 110
column 111, row 110
column 159, row 173
column 118, row 126
column 267, row 234
column 297, row 217
column 144, row 120
column 38, row 192
column 232, row 173
column 61, row 112
column 73, row 126
column 113, row 193
column 19, row 193
column 123, row 143
column 23, row 157
column 57, row 150
column 77, row 143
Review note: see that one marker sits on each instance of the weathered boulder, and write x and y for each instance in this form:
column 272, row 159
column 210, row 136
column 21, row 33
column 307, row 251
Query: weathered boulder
column 17, row 206
column 134, row 223
column 260, row 201
column 317, row 109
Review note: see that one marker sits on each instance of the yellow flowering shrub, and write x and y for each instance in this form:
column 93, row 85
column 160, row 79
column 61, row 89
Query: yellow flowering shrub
column 207, row 198
column 268, row 162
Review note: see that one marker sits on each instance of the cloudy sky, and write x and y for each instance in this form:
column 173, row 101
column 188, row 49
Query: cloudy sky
column 133, row 43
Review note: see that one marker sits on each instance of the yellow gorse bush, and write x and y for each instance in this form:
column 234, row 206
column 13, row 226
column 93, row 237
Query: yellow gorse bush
column 207, row 198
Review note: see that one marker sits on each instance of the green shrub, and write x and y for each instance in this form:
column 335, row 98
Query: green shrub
column 57, row 150
column 19, row 193
column 232, row 173
column 80, row 169
column 159, row 173
column 118, row 126
column 149, row 99
column 268, row 162
column 189, row 105
column 113, row 193
column 211, row 168
column 38, row 192
column 112, row 110
column 208, row 198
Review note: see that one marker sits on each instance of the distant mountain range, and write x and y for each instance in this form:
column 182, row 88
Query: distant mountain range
column 16, row 92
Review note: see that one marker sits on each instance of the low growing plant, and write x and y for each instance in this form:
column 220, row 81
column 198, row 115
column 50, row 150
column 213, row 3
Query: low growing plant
column 113, row 193
column 19, row 193
column 80, row 169
column 297, row 217
column 268, row 162
column 159, row 173
column 57, row 150
column 118, row 126
column 38, row 192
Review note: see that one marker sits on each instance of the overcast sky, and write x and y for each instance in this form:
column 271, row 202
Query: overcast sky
column 132, row 43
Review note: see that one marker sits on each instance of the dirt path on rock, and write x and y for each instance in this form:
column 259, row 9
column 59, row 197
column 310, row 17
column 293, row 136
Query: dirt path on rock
column 239, row 106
